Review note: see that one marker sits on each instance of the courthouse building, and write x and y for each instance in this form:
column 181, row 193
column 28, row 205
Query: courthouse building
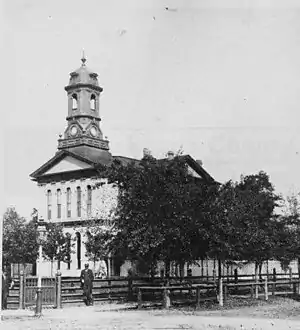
column 67, row 180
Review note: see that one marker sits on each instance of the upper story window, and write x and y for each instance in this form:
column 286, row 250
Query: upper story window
column 89, row 200
column 58, row 196
column 78, row 202
column 74, row 102
column 49, row 204
column 68, row 202
column 93, row 102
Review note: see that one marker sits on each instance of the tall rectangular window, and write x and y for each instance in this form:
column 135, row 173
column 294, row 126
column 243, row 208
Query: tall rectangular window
column 68, row 202
column 49, row 204
column 58, row 196
column 78, row 202
column 89, row 200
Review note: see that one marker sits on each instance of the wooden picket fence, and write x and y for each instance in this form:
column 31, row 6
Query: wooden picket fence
column 23, row 295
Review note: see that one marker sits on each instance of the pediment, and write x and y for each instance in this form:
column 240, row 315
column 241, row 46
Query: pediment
column 67, row 164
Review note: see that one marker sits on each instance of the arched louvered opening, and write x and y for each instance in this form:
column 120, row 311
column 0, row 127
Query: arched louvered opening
column 74, row 102
column 93, row 102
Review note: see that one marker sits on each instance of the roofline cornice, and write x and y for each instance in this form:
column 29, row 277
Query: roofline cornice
column 81, row 85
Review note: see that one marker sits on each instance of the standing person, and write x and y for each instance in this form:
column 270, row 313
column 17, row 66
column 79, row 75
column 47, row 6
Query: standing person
column 86, row 280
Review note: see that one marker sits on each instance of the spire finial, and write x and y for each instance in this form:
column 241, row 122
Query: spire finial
column 83, row 59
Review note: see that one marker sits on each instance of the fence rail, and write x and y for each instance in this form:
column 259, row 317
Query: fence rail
column 58, row 291
column 27, row 292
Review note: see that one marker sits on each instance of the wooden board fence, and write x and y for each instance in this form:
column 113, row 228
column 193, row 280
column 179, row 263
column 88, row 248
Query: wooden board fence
column 57, row 292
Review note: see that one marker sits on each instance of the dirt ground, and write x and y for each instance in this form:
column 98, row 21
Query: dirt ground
column 239, row 314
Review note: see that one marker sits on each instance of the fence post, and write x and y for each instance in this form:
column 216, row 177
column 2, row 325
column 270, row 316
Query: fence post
column 256, row 289
column 166, row 298
column 294, row 289
column 266, row 289
column 139, row 298
column 274, row 274
column 197, row 296
column 58, row 289
column 214, row 276
column 221, row 292
column 291, row 276
column 236, row 276
column 273, row 288
column 130, row 289
column 225, row 292
column 21, row 290
column 236, row 280
column 251, row 290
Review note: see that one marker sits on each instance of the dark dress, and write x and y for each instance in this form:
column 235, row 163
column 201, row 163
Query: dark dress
column 86, row 280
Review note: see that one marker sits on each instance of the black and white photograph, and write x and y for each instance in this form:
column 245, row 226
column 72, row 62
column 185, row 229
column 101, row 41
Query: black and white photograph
column 150, row 165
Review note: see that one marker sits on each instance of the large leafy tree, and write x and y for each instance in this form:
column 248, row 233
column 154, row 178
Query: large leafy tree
column 19, row 239
column 161, row 212
column 244, row 224
column 226, row 210
column 289, row 240
column 259, row 222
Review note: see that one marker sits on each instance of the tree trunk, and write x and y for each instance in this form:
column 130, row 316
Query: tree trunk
column 51, row 267
column 260, row 268
column 153, row 268
column 24, row 267
column 219, row 268
column 256, row 279
column 181, row 269
column 299, row 267
column 167, row 271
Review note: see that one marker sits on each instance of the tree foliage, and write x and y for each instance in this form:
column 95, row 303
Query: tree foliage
column 289, row 241
column 164, row 213
column 259, row 224
column 161, row 212
column 57, row 245
column 97, row 244
column 19, row 239
column 245, row 225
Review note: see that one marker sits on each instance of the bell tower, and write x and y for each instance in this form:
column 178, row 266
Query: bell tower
column 83, row 119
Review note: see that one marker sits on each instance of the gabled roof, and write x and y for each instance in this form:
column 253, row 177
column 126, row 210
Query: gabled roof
column 126, row 160
column 197, row 167
column 79, row 154
column 194, row 165
column 95, row 157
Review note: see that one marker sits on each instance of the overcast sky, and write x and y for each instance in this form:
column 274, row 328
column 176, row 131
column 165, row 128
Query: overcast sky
column 221, row 79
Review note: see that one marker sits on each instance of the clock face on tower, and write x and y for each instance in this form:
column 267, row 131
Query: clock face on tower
column 93, row 131
column 73, row 130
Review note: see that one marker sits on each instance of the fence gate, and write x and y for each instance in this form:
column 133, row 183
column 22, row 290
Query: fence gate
column 48, row 291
